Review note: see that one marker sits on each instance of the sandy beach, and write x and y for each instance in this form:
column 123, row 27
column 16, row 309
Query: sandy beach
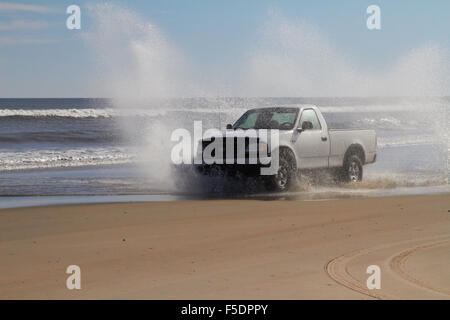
column 229, row 249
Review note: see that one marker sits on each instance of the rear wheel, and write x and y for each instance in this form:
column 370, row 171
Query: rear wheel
column 286, row 175
column 353, row 169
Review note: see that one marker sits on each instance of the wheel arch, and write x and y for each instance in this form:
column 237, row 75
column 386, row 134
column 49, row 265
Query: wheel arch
column 356, row 149
column 289, row 149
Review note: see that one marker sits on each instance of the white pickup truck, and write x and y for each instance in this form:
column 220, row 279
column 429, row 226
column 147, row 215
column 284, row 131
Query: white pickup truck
column 304, row 143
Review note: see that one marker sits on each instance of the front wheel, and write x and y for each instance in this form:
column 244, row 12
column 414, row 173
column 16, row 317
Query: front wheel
column 286, row 175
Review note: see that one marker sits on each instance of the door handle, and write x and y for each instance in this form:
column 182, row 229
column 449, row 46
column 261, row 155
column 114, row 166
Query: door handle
column 324, row 138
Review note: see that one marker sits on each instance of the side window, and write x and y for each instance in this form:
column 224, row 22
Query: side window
column 250, row 121
column 310, row 115
column 283, row 117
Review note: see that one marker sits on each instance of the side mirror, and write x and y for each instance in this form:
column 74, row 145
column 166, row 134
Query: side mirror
column 307, row 125
column 229, row 127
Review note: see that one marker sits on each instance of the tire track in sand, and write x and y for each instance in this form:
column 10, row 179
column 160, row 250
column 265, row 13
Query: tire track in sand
column 338, row 267
column 398, row 262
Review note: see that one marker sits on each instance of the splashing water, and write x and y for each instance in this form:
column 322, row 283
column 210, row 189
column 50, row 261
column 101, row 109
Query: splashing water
column 140, row 69
column 294, row 59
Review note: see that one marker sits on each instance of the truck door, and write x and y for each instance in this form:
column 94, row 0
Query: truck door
column 313, row 144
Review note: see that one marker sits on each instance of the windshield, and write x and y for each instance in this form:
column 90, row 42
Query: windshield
column 269, row 118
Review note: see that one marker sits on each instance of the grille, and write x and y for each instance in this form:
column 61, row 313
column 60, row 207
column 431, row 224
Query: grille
column 234, row 141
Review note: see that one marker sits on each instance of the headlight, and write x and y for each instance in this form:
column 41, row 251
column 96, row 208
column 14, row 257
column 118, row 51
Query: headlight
column 264, row 148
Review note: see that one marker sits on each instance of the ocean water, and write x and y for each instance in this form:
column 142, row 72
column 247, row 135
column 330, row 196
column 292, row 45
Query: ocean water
column 93, row 147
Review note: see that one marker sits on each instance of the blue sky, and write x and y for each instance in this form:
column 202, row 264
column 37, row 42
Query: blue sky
column 39, row 57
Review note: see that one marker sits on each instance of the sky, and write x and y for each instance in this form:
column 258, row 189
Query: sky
column 40, row 57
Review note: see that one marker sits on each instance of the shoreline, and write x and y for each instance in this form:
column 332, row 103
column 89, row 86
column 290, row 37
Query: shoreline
column 19, row 201
column 229, row 249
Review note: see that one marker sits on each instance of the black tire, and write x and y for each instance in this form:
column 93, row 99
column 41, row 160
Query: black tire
column 352, row 170
column 287, row 173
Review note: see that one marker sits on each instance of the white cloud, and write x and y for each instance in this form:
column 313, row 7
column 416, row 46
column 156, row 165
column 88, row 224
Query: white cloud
column 23, row 25
column 9, row 6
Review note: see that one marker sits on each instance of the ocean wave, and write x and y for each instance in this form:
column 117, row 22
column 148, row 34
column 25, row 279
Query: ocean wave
column 69, row 136
column 36, row 159
column 401, row 141
column 387, row 108
column 214, row 107
column 80, row 113
column 388, row 123
column 70, row 113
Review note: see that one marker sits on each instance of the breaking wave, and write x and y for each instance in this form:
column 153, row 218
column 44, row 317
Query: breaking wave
column 78, row 113
column 37, row 159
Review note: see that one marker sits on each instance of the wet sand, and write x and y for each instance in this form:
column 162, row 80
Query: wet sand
column 229, row 249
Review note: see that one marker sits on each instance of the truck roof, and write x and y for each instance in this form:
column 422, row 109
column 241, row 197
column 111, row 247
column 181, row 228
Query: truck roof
column 296, row 105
